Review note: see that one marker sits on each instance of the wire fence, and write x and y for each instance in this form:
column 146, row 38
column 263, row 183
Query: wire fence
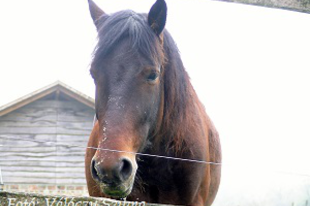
column 59, row 144
column 121, row 151
column 81, row 146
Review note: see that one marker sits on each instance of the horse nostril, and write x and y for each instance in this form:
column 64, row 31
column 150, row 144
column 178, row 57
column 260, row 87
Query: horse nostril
column 113, row 174
column 125, row 169
column 93, row 170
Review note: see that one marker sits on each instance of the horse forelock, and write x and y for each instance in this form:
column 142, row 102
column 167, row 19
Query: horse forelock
column 131, row 26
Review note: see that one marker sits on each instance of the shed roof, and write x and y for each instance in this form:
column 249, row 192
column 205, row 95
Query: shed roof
column 56, row 87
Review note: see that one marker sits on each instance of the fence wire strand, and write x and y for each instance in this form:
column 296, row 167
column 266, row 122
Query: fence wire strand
column 121, row 151
column 57, row 144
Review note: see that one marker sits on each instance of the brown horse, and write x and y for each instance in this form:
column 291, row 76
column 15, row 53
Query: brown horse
column 146, row 104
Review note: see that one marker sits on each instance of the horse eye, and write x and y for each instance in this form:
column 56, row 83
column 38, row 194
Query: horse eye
column 153, row 76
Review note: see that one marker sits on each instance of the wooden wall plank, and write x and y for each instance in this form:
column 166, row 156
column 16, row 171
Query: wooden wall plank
column 42, row 164
column 12, row 123
column 57, row 104
column 42, row 149
column 12, row 169
column 27, row 180
column 55, row 153
column 43, row 180
column 21, row 157
column 48, row 175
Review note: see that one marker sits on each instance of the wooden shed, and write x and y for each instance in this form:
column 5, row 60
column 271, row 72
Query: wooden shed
column 38, row 137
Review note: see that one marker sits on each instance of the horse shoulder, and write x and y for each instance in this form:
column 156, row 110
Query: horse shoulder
column 215, row 155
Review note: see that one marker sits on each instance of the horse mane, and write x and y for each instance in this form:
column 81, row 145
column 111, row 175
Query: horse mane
column 179, row 99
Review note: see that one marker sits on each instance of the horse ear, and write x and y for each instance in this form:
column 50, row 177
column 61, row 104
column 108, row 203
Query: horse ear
column 157, row 16
column 95, row 11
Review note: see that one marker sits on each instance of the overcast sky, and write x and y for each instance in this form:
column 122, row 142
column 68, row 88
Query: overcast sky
column 249, row 65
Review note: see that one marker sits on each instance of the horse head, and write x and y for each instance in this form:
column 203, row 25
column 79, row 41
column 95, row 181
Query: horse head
column 127, row 69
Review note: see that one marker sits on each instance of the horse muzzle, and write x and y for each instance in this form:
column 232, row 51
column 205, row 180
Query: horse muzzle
column 116, row 178
column 116, row 191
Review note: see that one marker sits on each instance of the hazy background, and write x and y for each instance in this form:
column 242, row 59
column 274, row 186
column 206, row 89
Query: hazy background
column 249, row 65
